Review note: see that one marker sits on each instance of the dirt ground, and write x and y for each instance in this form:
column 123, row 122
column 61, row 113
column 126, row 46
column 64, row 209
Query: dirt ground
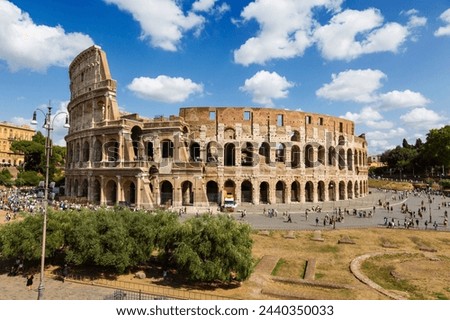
column 418, row 260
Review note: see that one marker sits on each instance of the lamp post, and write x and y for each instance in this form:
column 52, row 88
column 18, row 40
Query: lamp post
column 48, row 146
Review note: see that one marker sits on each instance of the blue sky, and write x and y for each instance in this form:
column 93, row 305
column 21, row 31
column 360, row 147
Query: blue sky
column 383, row 64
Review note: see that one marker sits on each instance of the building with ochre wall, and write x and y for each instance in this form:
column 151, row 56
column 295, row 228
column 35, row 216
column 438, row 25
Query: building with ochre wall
column 204, row 154
column 8, row 133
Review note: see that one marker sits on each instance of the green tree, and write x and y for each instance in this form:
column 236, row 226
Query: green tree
column 214, row 248
column 400, row 158
column 35, row 159
column 6, row 178
column 33, row 152
column 437, row 147
column 28, row 178
column 22, row 239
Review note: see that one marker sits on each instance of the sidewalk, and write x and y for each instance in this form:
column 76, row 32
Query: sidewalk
column 14, row 288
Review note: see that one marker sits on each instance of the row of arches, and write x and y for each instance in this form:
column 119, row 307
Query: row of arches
column 231, row 153
column 265, row 192
column 111, row 191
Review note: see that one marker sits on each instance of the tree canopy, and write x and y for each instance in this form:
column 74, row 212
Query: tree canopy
column 205, row 248
column 422, row 157
column 35, row 159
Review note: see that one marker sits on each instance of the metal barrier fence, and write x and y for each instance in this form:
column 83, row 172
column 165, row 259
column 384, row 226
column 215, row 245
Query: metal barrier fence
column 135, row 290
column 130, row 295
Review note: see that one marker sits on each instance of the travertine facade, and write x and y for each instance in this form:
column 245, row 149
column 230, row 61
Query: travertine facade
column 9, row 133
column 205, row 154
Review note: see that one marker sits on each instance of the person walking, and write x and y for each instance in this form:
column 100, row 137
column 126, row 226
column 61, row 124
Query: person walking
column 30, row 281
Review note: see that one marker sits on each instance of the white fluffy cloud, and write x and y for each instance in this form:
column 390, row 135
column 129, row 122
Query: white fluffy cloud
column 337, row 40
column 265, row 86
column 423, row 118
column 164, row 22
column 203, row 5
column 288, row 27
column 26, row 45
column 380, row 141
column 445, row 30
column 285, row 28
column 369, row 117
column 164, row 88
column 353, row 85
column 362, row 86
column 402, row 99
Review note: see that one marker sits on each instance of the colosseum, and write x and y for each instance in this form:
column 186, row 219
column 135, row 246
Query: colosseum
column 204, row 156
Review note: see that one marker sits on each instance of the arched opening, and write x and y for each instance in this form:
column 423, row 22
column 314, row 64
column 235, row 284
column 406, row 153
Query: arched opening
column 229, row 133
column 246, row 192
column 75, row 188
column 295, row 156
column 166, row 191
column 98, row 151
column 264, row 152
column 86, row 150
column 349, row 190
column 321, row 191
column 264, row 192
column 247, row 154
column 230, row 195
column 77, row 152
column 295, row 191
column 136, row 133
column 212, row 192
column 309, row 192
column 153, row 171
column 167, row 149
column 321, row 155
column 309, row 156
column 341, row 141
column 229, row 157
column 280, row 192
column 350, row 159
column 187, row 194
column 356, row 193
column 332, row 191
column 280, row 152
column 295, row 136
column 342, row 190
column 194, row 152
column 112, row 150
column 341, row 159
column 111, row 193
column 129, row 189
column 331, row 156
column 96, row 192
column 212, row 152
column 84, row 188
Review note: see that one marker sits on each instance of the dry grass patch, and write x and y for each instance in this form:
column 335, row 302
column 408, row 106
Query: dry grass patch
column 424, row 274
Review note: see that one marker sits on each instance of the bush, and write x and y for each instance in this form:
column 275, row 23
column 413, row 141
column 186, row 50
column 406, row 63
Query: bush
column 205, row 248
column 28, row 178
column 6, row 178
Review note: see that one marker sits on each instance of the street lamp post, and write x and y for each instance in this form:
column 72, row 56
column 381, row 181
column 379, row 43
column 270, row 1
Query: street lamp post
column 48, row 146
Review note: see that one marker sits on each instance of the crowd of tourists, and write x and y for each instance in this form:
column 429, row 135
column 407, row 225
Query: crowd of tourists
column 414, row 206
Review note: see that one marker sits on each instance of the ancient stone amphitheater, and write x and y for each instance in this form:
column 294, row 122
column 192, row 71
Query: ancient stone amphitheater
column 204, row 156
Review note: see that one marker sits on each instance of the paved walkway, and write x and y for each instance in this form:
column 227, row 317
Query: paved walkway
column 300, row 221
column 14, row 288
